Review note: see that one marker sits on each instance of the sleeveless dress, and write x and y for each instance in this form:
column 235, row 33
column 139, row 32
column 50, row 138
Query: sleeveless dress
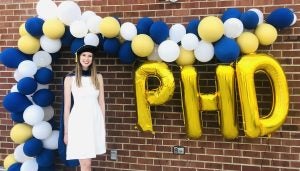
column 86, row 125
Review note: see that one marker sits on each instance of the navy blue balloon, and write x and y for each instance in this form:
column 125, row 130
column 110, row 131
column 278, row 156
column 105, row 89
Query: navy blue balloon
column 27, row 85
column 34, row 26
column 16, row 102
column 111, row 46
column 227, row 50
column 55, row 55
column 192, row 27
column 249, row 19
column 44, row 75
column 67, row 38
column 12, row 57
column 159, row 32
column 126, row 54
column 280, row 18
column 15, row 167
column 33, row 147
column 50, row 168
column 45, row 158
column 231, row 13
column 143, row 25
column 101, row 41
column 43, row 97
column 76, row 44
column 17, row 117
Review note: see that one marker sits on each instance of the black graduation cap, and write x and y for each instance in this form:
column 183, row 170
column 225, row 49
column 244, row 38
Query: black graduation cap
column 85, row 48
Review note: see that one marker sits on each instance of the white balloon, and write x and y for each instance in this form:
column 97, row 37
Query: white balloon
column 19, row 154
column 33, row 114
column 42, row 130
column 68, row 12
column 259, row 14
column 177, row 31
column 42, row 58
column 93, row 24
column 189, row 41
column 86, row 15
column 294, row 20
column 78, row 29
column 48, row 113
column 27, row 68
column 17, row 75
column 233, row 28
column 42, row 86
column 154, row 55
column 30, row 165
column 91, row 39
column 128, row 31
column 50, row 45
column 168, row 51
column 46, row 9
column 14, row 88
column 204, row 52
column 51, row 142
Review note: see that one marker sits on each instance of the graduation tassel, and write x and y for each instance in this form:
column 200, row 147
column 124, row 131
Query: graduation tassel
column 76, row 57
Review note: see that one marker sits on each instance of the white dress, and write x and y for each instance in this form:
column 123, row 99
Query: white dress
column 86, row 125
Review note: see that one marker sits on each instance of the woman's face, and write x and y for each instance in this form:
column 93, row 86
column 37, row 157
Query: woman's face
column 86, row 59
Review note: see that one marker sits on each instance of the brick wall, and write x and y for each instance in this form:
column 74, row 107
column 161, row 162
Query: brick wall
column 144, row 151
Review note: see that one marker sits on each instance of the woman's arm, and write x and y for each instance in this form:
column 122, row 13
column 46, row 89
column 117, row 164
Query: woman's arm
column 67, row 103
column 101, row 94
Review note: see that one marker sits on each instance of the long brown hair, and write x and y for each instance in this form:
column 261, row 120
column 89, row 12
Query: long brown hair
column 92, row 68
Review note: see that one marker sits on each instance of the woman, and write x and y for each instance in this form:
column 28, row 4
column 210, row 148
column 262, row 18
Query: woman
column 84, row 131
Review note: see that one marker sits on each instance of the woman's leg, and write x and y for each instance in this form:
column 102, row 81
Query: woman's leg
column 85, row 164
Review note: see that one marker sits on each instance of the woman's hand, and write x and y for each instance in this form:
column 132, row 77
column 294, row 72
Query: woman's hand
column 66, row 139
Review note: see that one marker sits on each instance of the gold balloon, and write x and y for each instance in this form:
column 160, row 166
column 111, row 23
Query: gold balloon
column 8, row 161
column 20, row 133
column 109, row 27
column 211, row 29
column 142, row 45
column 254, row 126
column 53, row 28
column 190, row 102
column 226, row 101
column 209, row 102
column 266, row 34
column 145, row 98
column 248, row 42
column 186, row 57
column 22, row 30
column 28, row 44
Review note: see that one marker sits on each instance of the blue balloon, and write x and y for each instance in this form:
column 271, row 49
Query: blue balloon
column 44, row 75
column 33, row 147
column 27, row 85
column 280, row 18
column 67, row 38
column 249, row 19
column 17, row 117
column 43, row 97
column 159, row 32
column 16, row 102
column 15, row 167
column 143, row 25
column 12, row 57
column 231, row 13
column 101, row 41
column 227, row 50
column 34, row 26
column 50, row 168
column 111, row 46
column 76, row 44
column 192, row 27
column 45, row 158
column 126, row 54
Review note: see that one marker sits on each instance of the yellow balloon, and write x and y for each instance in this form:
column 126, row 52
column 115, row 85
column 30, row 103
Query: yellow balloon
column 142, row 45
column 248, row 42
column 266, row 34
column 109, row 27
column 53, row 28
column 211, row 29
column 8, row 161
column 22, row 30
column 254, row 125
column 145, row 97
column 20, row 133
column 28, row 44
column 186, row 57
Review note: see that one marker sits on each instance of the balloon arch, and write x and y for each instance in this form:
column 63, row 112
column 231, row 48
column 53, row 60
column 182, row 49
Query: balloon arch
column 224, row 38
